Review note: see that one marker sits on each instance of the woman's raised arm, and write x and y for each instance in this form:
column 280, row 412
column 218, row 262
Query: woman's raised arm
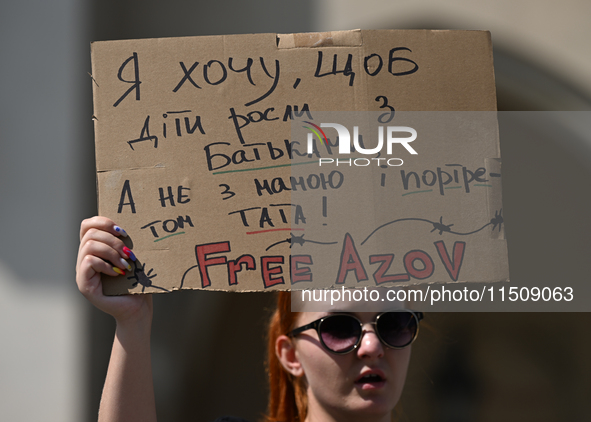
column 128, row 394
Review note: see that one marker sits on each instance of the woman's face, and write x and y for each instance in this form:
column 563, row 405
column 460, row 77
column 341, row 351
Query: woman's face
column 364, row 384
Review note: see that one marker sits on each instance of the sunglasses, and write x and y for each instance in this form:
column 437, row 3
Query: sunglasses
column 341, row 333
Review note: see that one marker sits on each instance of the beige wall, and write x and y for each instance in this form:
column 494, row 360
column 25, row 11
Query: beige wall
column 552, row 34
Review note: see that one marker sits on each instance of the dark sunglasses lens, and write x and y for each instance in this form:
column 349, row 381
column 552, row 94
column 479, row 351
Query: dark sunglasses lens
column 340, row 333
column 397, row 329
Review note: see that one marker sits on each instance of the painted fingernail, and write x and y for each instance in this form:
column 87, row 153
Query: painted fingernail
column 129, row 253
column 125, row 264
column 120, row 231
column 118, row 270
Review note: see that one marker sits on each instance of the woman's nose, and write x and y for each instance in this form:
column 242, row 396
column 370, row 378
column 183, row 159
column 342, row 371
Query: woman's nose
column 370, row 345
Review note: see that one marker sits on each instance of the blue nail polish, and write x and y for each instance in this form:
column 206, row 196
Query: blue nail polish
column 120, row 231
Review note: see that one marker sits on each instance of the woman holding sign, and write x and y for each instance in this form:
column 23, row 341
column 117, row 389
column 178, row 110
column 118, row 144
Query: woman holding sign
column 323, row 366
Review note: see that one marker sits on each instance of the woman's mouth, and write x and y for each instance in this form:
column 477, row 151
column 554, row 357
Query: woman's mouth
column 371, row 380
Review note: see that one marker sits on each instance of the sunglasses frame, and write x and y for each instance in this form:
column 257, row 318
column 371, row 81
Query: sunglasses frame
column 317, row 323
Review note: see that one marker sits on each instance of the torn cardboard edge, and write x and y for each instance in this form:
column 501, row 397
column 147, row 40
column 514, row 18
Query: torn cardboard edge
column 353, row 38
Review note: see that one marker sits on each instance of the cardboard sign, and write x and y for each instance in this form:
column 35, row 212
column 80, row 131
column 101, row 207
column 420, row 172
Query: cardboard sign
column 214, row 154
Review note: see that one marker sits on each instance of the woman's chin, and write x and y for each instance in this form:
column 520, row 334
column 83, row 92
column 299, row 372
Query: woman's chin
column 371, row 402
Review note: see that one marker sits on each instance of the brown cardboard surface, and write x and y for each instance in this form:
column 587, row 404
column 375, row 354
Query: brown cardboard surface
column 185, row 128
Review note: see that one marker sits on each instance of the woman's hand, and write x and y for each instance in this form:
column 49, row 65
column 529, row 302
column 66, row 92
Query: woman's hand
column 102, row 251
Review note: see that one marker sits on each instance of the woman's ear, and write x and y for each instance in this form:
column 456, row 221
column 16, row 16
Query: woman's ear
column 286, row 353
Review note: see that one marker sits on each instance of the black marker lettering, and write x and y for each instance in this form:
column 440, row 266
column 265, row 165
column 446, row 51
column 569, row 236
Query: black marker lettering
column 145, row 135
column 126, row 191
column 206, row 72
column 187, row 76
column 275, row 81
column 244, row 69
column 136, row 82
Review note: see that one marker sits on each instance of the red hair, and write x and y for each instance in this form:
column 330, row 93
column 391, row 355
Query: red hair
column 288, row 401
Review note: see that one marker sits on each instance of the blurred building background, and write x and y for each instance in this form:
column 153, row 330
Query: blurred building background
column 208, row 346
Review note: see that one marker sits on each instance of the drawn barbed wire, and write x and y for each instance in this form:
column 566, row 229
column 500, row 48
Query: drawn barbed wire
column 143, row 278
column 298, row 240
column 445, row 228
